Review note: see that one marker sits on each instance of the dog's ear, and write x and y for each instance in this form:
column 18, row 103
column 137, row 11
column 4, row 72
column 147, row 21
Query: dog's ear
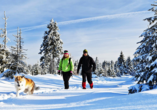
column 22, row 76
column 15, row 76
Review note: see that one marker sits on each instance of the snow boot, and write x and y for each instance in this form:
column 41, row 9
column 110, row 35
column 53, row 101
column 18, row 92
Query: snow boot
column 91, row 85
column 84, row 85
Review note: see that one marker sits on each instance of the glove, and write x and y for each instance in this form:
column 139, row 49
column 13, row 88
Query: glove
column 71, row 73
column 58, row 71
column 94, row 71
column 77, row 72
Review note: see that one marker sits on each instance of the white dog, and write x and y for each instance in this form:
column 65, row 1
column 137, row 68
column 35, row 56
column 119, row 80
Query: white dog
column 23, row 84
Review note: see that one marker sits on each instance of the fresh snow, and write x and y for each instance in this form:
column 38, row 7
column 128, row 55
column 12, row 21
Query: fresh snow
column 107, row 94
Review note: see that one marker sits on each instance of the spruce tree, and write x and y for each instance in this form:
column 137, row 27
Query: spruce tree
column 17, row 57
column 51, row 48
column 99, row 70
column 97, row 66
column 36, row 69
column 146, row 56
column 121, row 64
column 129, row 66
column 109, row 72
column 30, row 68
column 75, row 66
column 145, row 49
column 4, row 51
column 150, row 75
column 4, row 32
column 117, row 69
column 113, row 74
column 107, row 68
column 115, row 66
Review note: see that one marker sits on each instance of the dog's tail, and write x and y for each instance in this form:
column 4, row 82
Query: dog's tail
column 36, row 88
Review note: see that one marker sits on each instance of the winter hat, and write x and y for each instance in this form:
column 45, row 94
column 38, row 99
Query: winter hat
column 85, row 51
column 66, row 52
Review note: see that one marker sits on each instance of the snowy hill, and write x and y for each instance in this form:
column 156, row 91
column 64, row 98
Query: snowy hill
column 108, row 94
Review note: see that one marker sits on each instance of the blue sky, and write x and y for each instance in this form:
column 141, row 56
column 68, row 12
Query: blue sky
column 103, row 27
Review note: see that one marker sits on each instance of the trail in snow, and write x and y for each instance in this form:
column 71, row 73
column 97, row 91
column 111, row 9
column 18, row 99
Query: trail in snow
column 108, row 94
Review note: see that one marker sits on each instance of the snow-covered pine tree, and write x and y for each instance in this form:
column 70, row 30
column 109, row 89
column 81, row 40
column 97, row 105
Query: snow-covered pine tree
column 150, row 75
column 141, row 54
column 106, row 66
column 146, row 46
column 121, row 64
column 75, row 66
column 129, row 66
column 146, row 55
column 115, row 66
column 113, row 74
column 99, row 70
column 134, row 63
column 57, row 63
column 96, row 62
column 29, row 67
column 17, row 57
column 4, row 32
column 116, row 69
column 110, row 68
column 51, row 48
column 4, row 58
column 4, row 51
column 36, row 69
column 109, row 72
column 97, row 65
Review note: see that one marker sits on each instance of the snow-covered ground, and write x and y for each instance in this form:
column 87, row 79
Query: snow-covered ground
column 108, row 94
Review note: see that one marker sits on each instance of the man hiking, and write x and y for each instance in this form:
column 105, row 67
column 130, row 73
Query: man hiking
column 66, row 66
column 88, row 65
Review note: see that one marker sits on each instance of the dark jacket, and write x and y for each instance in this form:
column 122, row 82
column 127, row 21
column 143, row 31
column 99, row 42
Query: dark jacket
column 87, row 62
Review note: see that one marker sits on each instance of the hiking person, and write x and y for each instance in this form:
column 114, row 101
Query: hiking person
column 86, row 62
column 66, row 68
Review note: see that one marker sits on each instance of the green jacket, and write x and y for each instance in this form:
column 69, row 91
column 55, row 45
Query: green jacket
column 63, row 64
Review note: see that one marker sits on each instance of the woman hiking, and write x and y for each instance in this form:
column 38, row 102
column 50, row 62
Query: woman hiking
column 88, row 65
column 66, row 66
